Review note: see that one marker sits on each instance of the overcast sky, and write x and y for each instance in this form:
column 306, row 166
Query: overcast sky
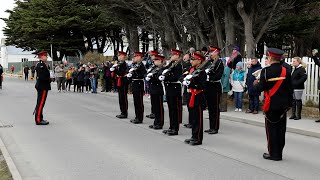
column 5, row 4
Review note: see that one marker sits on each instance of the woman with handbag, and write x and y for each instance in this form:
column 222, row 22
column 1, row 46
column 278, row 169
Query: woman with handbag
column 238, row 81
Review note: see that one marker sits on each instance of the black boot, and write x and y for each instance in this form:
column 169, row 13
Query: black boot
column 293, row 110
column 299, row 109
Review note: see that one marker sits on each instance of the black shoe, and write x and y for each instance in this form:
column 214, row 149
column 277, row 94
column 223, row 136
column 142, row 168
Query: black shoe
column 157, row 127
column 267, row 156
column 187, row 125
column 187, row 141
column 317, row 121
column 172, row 133
column 136, row 121
column 151, row 126
column 292, row 117
column 122, row 116
column 195, row 143
column 152, row 116
column 212, row 131
column 208, row 130
column 166, row 131
column 297, row 118
column 43, row 122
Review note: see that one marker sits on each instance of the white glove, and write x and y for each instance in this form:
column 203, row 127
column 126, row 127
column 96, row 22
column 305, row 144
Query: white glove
column 131, row 70
column 129, row 75
column 186, row 83
column 161, row 78
column 112, row 69
column 115, row 65
column 149, row 70
column 165, row 71
column 148, row 78
column 188, row 77
column 150, row 75
column 208, row 78
column 207, row 71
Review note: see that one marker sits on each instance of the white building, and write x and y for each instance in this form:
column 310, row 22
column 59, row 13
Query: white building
column 13, row 55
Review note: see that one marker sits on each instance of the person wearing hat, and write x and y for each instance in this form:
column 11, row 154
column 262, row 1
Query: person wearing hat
column 196, row 83
column 275, row 81
column 213, row 89
column 120, row 70
column 42, row 86
column 156, row 92
column 316, row 59
column 136, row 76
column 234, row 58
column 238, row 83
column 171, row 76
column 151, row 68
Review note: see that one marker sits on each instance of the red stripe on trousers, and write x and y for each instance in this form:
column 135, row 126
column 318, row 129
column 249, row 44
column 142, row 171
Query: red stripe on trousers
column 161, row 112
column 217, row 105
column 268, row 136
column 41, row 105
column 199, row 123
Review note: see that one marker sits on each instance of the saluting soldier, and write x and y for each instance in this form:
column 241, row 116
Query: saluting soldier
column 136, row 75
column 214, row 89
column 151, row 68
column 196, row 83
column 43, row 86
column 120, row 71
column 275, row 81
column 156, row 91
column 171, row 77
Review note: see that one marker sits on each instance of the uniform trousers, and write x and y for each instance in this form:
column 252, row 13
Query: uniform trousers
column 196, row 113
column 123, row 99
column 157, row 105
column 41, row 101
column 175, row 111
column 275, row 123
column 138, row 104
column 213, row 93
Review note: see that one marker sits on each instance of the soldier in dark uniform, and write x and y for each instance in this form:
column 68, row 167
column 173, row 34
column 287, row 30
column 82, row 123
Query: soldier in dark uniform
column 151, row 68
column 42, row 86
column 120, row 71
column 214, row 89
column 136, row 75
column 156, row 91
column 173, row 88
column 196, row 83
column 275, row 81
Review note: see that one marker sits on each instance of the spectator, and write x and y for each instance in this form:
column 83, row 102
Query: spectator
column 238, row 78
column 298, row 77
column 69, row 78
column 191, row 51
column 87, row 82
column 107, row 77
column 75, row 79
column 80, row 79
column 26, row 73
column 94, row 73
column 1, row 76
column 253, row 93
column 61, row 77
column 316, row 59
column 225, row 81
column 102, row 72
column 12, row 69
column 33, row 70
column 234, row 58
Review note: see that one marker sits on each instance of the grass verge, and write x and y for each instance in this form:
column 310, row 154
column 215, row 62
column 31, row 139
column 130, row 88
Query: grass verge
column 4, row 170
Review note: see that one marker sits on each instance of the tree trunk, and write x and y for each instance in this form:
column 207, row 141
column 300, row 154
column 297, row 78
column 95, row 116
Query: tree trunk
column 229, row 29
column 250, row 45
column 218, row 29
column 133, row 38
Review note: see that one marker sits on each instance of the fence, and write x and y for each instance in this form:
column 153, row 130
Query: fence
column 311, row 92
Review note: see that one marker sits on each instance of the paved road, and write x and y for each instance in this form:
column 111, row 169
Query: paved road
column 85, row 141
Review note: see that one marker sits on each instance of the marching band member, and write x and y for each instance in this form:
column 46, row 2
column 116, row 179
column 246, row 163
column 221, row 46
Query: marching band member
column 152, row 67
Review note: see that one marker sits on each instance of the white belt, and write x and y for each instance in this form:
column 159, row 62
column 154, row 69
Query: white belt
column 178, row 82
column 214, row 81
column 137, row 79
